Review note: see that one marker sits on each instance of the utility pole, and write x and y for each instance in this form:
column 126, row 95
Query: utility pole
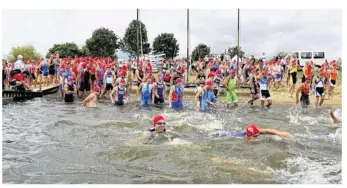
column 238, row 40
column 188, row 67
column 140, row 33
column 137, row 41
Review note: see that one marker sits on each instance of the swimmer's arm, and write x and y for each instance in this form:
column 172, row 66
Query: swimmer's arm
column 251, row 81
column 137, row 75
column 298, row 91
column 74, row 89
column 66, row 91
column 154, row 93
column 226, row 81
column 111, row 94
column 88, row 99
column 140, row 87
column 170, row 94
column 274, row 132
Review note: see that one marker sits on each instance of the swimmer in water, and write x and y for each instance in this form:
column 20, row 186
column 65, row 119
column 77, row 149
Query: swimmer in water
column 70, row 90
column 336, row 116
column 203, row 100
column 120, row 91
column 251, row 132
column 90, row 101
column 176, row 95
column 158, row 127
column 305, row 90
column 147, row 91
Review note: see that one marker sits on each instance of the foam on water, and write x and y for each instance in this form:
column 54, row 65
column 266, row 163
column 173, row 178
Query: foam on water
column 178, row 141
column 302, row 170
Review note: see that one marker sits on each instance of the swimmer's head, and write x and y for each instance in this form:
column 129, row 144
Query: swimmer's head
column 20, row 57
column 121, row 82
column 97, row 90
column 212, row 74
column 179, row 81
column 159, row 77
column 208, row 85
column 159, row 123
column 252, row 131
column 232, row 73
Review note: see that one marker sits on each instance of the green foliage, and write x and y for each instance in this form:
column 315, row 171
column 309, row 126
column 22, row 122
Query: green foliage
column 129, row 43
column 84, row 51
column 200, row 52
column 166, row 43
column 103, row 43
column 64, row 50
column 28, row 52
column 235, row 51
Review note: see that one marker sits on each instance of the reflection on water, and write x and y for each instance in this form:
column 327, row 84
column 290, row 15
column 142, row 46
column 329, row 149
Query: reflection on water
column 53, row 142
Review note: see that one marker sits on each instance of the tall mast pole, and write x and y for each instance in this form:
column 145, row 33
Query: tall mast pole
column 137, row 41
column 238, row 39
column 188, row 45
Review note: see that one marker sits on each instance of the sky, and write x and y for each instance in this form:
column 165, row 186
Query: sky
column 268, row 31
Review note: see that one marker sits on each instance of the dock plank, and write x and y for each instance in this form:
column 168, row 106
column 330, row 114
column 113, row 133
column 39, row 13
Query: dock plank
column 45, row 88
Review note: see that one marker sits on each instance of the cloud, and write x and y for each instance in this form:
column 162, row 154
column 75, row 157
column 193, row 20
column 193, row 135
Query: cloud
column 268, row 31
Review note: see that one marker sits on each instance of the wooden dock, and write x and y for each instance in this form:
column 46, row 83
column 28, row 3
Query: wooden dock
column 25, row 95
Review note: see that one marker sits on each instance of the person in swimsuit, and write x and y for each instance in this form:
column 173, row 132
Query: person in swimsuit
column 109, row 78
column 251, row 132
column 304, row 88
column 333, row 77
column 204, row 99
column 253, row 86
column 176, row 95
column 56, row 67
column 159, row 126
column 118, row 94
column 231, row 83
column 159, row 90
column 85, row 80
column 293, row 73
column 91, row 100
column 319, row 88
column 139, row 74
column 147, row 91
column 264, row 83
column 70, row 90
column 217, row 81
column 51, row 69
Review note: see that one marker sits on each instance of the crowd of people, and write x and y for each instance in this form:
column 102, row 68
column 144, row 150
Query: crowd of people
column 93, row 77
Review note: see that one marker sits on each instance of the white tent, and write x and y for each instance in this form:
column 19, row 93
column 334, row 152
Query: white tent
column 235, row 59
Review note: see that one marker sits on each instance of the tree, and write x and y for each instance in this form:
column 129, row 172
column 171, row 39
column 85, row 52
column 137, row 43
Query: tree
column 103, row 43
column 200, row 52
column 166, row 43
column 84, row 51
column 234, row 51
column 129, row 42
column 65, row 50
column 28, row 52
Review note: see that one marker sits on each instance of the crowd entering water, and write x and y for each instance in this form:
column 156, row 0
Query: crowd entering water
column 94, row 78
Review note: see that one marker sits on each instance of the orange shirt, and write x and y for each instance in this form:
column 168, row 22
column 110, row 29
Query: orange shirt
column 333, row 75
column 308, row 70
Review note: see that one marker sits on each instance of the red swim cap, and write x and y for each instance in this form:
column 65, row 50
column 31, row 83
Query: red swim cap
column 156, row 119
column 179, row 80
column 122, row 81
column 96, row 89
column 212, row 74
column 252, row 130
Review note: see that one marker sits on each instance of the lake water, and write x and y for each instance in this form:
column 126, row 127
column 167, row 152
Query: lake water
column 48, row 141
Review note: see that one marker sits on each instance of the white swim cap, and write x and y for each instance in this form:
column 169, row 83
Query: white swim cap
column 20, row 57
